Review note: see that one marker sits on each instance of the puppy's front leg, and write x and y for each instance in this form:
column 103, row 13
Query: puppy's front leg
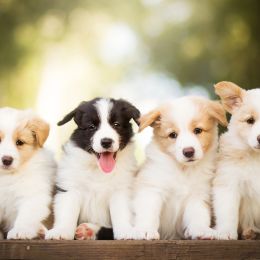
column 196, row 220
column 31, row 212
column 147, row 207
column 226, row 201
column 66, row 213
column 121, row 215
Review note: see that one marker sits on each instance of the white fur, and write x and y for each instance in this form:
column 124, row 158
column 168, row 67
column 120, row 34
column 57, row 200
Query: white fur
column 105, row 131
column 25, row 190
column 237, row 183
column 171, row 194
column 93, row 196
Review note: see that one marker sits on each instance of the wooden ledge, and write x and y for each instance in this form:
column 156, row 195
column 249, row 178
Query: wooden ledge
column 158, row 250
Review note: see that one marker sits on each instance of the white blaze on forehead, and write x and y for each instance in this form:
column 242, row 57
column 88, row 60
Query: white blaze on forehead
column 252, row 98
column 103, row 107
column 105, row 130
column 182, row 112
column 251, row 103
column 10, row 119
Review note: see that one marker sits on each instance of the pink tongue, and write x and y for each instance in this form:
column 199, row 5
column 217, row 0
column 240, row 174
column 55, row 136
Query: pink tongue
column 107, row 162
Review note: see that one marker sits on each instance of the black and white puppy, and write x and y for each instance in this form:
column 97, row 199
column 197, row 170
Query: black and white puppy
column 96, row 172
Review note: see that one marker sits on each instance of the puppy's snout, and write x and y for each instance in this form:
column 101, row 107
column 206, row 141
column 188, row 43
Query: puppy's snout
column 188, row 152
column 106, row 142
column 7, row 160
column 258, row 139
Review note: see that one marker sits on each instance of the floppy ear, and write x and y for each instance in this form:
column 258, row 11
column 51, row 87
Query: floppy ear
column 76, row 114
column 40, row 130
column 150, row 119
column 131, row 112
column 216, row 110
column 231, row 95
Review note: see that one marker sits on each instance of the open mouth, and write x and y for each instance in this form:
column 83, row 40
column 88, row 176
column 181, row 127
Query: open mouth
column 107, row 161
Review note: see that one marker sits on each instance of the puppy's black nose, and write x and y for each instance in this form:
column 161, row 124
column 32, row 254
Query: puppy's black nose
column 106, row 142
column 258, row 139
column 188, row 152
column 7, row 160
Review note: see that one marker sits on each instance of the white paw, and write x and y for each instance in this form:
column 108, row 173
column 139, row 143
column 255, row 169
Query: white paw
column 123, row 233
column 202, row 234
column 227, row 235
column 146, row 234
column 59, row 234
column 22, row 233
column 86, row 231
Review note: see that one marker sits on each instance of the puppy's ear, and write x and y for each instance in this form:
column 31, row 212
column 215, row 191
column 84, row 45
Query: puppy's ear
column 231, row 95
column 217, row 111
column 129, row 110
column 40, row 130
column 76, row 114
column 150, row 119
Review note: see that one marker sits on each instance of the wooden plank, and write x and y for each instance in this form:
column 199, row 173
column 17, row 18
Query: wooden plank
column 149, row 250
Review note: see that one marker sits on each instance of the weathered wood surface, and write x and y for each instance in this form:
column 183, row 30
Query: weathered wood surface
column 135, row 250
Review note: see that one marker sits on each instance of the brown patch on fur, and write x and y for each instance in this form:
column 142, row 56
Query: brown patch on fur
column 161, row 134
column 209, row 114
column 40, row 129
column 33, row 135
column 216, row 110
column 26, row 150
column 149, row 119
column 231, row 95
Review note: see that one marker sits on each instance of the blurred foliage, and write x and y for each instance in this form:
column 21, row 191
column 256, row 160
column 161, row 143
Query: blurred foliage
column 195, row 42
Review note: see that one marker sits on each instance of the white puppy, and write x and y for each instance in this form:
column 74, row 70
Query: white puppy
column 237, row 182
column 96, row 173
column 173, row 187
column 26, row 174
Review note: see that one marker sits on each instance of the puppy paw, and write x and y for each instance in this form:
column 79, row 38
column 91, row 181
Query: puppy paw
column 22, row 233
column 41, row 232
column 248, row 234
column 226, row 235
column 201, row 234
column 59, row 234
column 86, row 231
column 123, row 233
column 146, row 234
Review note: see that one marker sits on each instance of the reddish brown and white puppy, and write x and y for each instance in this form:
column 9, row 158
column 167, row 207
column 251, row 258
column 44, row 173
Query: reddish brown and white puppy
column 96, row 173
column 26, row 174
column 173, row 187
column 237, row 184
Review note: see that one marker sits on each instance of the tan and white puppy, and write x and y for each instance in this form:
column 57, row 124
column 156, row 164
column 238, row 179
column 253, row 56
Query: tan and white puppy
column 173, row 187
column 237, row 183
column 26, row 174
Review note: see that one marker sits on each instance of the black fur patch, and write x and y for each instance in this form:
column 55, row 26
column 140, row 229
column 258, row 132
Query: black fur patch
column 105, row 234
column 121, row 113
column 87, row 118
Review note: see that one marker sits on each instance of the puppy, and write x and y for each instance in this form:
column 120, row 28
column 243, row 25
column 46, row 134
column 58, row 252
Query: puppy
column 237, row 183
column 26, row 174
column 172, row 193
column 96, row 172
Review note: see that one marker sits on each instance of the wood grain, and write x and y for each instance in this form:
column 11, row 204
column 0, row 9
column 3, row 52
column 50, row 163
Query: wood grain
column 157, row 250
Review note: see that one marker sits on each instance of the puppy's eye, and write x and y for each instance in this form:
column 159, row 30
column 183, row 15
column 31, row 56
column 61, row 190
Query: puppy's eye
column 250, row 121
column 92, row 127
column 173, row 135
column 116, row 124
column 197, row 131
column 19, row 143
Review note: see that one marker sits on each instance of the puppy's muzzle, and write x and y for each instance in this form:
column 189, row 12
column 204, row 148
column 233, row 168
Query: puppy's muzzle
column 189, row 152
column 7, row 160
column 106, row 142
